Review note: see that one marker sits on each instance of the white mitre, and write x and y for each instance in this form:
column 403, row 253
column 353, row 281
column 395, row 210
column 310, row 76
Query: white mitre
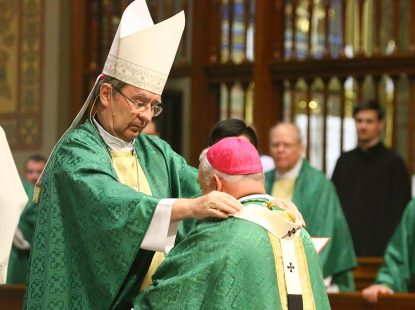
column 141, row 55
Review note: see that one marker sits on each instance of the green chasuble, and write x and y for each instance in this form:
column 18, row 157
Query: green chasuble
column 317, row 200
column 232, row 264
column 19, row 259
column 398, row 269
column 86, row 251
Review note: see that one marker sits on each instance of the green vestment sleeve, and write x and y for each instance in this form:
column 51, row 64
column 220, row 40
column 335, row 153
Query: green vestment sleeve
column 224, row 265
column 317, row 200
column 398, row 269
column 86, row 252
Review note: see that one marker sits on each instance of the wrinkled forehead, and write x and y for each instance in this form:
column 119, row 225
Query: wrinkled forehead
column 141, row 93
column 285, row 134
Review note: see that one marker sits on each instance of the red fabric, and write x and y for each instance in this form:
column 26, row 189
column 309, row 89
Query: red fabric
column 234, row 156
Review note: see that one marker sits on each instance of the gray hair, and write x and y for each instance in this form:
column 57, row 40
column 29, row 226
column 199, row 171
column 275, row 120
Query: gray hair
column 208, row 172
column 297, row 130
column 110, row 80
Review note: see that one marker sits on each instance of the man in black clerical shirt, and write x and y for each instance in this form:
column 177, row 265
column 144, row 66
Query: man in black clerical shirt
column 372, row 182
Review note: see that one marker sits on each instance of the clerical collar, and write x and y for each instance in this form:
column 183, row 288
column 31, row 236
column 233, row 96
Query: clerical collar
column 373, row 148
column 291, row 174
column 255, row 197
column 114, row 143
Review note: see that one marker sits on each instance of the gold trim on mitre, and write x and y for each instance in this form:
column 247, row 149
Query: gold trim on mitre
column 133, row 74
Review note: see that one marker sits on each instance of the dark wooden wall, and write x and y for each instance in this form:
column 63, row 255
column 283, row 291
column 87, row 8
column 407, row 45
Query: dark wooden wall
column 370, row 42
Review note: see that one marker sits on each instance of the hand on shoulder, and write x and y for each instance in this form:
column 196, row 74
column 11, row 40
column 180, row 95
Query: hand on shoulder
column 289, row 206
column 214, row 204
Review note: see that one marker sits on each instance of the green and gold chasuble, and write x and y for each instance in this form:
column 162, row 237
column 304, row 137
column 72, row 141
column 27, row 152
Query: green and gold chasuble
column 317, row 200
column 19, row 259
column 398, row 269
column 86, row 251
column 232, row 264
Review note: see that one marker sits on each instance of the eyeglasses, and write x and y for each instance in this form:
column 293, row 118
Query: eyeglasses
column 142, row 106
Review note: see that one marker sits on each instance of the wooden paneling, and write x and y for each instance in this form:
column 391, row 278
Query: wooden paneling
column 285, row 51
column 204, row 108
column 355, row 301
column 366, row 271
column 78, row 55
column 21, row 73
column 11, row 297
column 268, row 97
column 326, row 68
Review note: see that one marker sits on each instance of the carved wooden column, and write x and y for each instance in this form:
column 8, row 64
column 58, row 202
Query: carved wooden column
column 377, row 27
column 79, row 9
column 309, row 97
column 268, row 100
column 202, row 107
column 325, row 104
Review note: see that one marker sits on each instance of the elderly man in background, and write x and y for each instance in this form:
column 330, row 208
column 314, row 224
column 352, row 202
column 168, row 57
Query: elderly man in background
column 316, row 199
column 259, row 259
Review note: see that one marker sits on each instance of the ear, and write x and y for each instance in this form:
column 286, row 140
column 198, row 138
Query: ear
column 105, row 93
column 217, row 183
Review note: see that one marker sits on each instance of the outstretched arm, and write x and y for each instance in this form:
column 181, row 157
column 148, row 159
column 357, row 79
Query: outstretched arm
column 214, row 204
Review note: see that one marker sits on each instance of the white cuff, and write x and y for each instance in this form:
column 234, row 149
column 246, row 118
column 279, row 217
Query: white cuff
column 161, row 234
column 331, row 287
column 19, row 241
